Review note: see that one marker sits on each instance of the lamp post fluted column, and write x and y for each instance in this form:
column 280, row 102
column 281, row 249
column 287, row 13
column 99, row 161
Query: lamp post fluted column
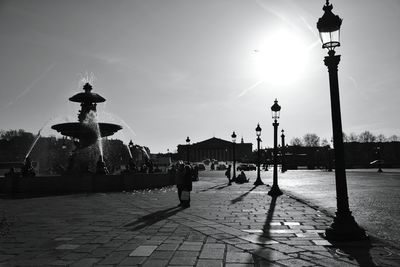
column 187, row 149
column 258, row 180
column 275, row 191
column 233, row 155
column 344, row 226
column 283, row 169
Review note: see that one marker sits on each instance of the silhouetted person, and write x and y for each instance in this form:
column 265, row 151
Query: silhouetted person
column 131, row 165
column 228, row 174
column 27, row 169
column 180, row 176
column 101, row 167
column 241, row 178
column 195, row 174
column 150, row 166
column 187, row 186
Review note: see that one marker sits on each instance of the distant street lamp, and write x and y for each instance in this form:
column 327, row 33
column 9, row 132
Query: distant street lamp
column 378, row 155
column 344, row 226
column 233, row 155
column 258, row 133
column 187, row 148
column 283, row 169
column 275, row 110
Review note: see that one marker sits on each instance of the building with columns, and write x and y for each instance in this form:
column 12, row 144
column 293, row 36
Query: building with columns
column 215, row 148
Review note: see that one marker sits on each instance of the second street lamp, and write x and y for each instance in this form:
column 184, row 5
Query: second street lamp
column 283, row 168
column 187, row 149
column 258, row 133
column 344, row 226
column 275, row 109
column 233, row 155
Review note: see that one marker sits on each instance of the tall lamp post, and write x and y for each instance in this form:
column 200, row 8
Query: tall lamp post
column 275, row 110
column 233, row 155
column 187, row 149
column 378, row 154
column 283, row 151
column 344, row 226
column 258, row 133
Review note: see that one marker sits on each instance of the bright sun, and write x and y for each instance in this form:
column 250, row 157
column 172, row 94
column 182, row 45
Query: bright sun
column 281, row 58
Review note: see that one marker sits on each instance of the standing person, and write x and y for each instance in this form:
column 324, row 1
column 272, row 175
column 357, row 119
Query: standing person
column 228, row 174
column 187, row 186
column 180, row 175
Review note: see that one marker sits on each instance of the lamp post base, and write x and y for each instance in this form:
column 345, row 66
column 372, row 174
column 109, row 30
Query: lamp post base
column 275, row 191
column 258, row 182
column 345, row 228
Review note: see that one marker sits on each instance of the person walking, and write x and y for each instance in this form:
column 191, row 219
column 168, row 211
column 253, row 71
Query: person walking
column 228, row 174
column 187, row 186
column 179, row 176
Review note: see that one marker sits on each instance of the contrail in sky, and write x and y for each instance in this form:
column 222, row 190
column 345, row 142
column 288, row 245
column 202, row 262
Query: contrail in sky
column 249, row 88
column 31, row 85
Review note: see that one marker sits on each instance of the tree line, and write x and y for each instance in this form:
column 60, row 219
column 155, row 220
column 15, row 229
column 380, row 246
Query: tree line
column 313, row 140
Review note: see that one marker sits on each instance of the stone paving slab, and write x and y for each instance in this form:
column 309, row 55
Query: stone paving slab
column 238, row 225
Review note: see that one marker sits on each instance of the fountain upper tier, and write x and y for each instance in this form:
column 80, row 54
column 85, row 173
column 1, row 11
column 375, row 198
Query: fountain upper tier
column 87, row 131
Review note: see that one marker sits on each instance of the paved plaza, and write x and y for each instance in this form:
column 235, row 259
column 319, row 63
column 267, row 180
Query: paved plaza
column 238, row 225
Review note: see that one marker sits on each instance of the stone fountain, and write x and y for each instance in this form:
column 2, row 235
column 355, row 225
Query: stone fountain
column 87, row 131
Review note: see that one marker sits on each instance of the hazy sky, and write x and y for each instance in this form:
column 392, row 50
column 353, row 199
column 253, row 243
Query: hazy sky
column 198, row 68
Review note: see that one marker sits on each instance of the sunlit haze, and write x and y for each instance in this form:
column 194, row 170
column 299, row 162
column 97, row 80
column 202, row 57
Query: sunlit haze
column 174, row 68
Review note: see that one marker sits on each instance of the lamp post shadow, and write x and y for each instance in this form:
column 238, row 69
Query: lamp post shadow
column 357, row 250
column 241, row 197
column 153, row 218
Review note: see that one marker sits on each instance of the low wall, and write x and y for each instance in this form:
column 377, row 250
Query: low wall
column 66, row 184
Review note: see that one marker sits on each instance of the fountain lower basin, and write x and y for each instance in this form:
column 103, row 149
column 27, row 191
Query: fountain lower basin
column 86, row 133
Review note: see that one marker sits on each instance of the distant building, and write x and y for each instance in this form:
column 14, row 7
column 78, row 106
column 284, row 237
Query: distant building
column 216, row 148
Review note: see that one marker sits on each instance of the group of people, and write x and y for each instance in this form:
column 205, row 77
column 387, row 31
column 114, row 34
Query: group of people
column 240, row 179
column 184, row 177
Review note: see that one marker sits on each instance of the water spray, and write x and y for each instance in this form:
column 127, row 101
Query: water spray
column 33, row 144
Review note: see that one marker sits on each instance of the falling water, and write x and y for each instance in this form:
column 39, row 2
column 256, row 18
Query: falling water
column 91, row 120
column 129, row 151
column 33, row 144
column 99, row 141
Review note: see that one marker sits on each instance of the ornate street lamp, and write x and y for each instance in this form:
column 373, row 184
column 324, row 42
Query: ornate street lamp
column 187, row 148
column 378, row 155
column 233, row 155
column 283, row 169
column 258, row 133
column 275, row 111
column 344, row 226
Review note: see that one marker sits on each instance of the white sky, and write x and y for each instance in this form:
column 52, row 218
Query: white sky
column 198, row 68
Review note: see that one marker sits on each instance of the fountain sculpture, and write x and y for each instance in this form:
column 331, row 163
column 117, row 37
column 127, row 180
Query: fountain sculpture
column 88, row 130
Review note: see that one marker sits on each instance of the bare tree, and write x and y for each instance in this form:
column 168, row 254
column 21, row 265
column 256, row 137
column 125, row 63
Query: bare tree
column 381, row 138
column 366, row 137
column 324, row 142
column 296, row 142
column 345, row 137
column 311, row 139
column 352, row 137
column 393, row 138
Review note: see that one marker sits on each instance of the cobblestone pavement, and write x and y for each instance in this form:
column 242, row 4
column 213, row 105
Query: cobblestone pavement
column 238, row 225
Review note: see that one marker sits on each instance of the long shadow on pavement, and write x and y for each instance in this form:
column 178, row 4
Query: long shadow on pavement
column 153, row 218
column 358, row 250
column 265, row 237
column 218, row 186
column 241, row 197
column 268, row 220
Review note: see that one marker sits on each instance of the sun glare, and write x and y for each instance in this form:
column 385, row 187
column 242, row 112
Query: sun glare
column 281, row 58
